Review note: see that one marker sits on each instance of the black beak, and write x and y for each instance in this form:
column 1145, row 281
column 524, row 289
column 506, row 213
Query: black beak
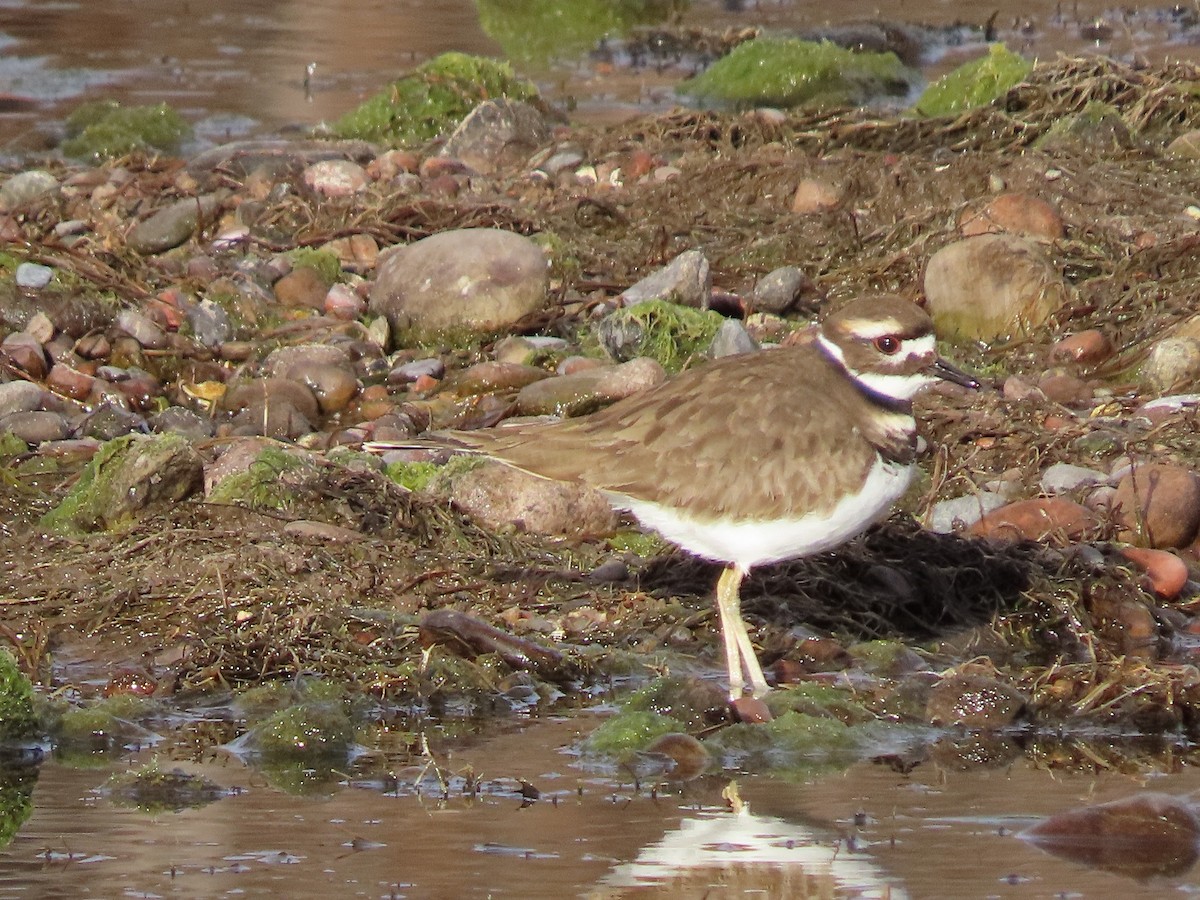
column 943, row 369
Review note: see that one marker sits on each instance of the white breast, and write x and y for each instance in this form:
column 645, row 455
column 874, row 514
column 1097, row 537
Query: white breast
column 751, row 543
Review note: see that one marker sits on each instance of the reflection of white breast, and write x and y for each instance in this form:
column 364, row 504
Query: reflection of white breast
column 751, row 543
column 727, row 854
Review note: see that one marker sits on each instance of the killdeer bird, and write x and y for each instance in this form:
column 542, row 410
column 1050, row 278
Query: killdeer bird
column 756, row 458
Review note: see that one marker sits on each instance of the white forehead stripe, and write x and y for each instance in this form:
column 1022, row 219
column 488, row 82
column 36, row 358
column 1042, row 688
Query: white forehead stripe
column 869, row 329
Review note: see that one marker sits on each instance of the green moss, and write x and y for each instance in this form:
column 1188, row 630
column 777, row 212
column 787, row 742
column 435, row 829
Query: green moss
column 538, row 31
column 324, row 263
column 432, row 99
column 17, row 719
column 672, row 334
column 103, row 496
column 644, row 544
column 259, row 486
column 11, row 445
column 691, row 701
column 777, row 72
column 565, row 264
column 305, row 730
column 105, row 129
column 263, row 700
column 413, row 475
column 105, row 724
column 16, row 799
column 974, row 84
column 629, row 731
column 1098, row 126
column 820, row 701
column 794, row 742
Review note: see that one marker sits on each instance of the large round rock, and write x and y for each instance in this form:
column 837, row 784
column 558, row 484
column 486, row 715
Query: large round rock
column 472, row 279
column 991, row 286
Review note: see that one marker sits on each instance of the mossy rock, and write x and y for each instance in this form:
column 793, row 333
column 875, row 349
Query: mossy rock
column 783, row 73
column 303, row 731
column 820, row 701
column 794, row 742
column 693, row 701
column 974, row 84
column 432, row 99
column 324, row 263
column 105, row 129
column 260, row 486
column 153, row 790
column 538, row 31
column 1095, row 128
column 17, row 719
column 106, row 724
column 126, row 475
column 671, row 334
column 630, row 731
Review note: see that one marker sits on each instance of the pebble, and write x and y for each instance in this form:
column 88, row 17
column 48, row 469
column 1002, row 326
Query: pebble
column 209, row 322
column 975, row 701
column 1016, row 213
column 411, row 371
column 1062, row 478
column 26, row 354
column 487, row 377
column 1158, row 505
column 1173, row 362
column 33, row 277
column 1166, row 572
column 1084, row 348
column 335, row 178
column 686, row 280
column 20, row 396
column 141, row 329
column 815, row 195
column 64, row 380
column 343, row 302
column 958, row 513
column 183, row 421
column 269, row 391
column 173, row 225
column 475, row 279
column 292, row 361
column 333, row 386
column 562, row 161
column 992, row 286
column 498, row 134
column 36, row 426
column 587, row 390
column 732, row 339
column 1051, row 519
column 501, row 497
column 782, row 290
column 303, row 287
column 25, row 186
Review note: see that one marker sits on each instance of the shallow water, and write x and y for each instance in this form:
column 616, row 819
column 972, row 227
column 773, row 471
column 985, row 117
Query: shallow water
column 935, row 832
column 236, row 69
column 941, row 830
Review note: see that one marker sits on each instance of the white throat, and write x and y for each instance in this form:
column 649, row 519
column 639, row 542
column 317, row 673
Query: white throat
column 898, row 387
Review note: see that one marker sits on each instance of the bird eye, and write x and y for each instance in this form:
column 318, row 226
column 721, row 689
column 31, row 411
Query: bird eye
column 887, row 344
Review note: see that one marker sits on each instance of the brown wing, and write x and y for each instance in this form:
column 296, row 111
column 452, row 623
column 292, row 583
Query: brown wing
column 751, row 437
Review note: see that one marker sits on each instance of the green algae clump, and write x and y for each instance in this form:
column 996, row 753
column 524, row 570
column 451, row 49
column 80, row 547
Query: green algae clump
column 776, row 72
column 668, row 333
column 432, row 99
column 105, row 130
column 630, row 731
column 305, row 730
column 974, row 84
column 17, row 719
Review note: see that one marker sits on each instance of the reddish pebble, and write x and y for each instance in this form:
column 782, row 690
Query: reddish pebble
column 816, row 196
column 1052, row 519
column 1158, row 505
column 1066, row 389
column 751, row 710
column 1017, row 214
column 424, row 383
column 69, row 383
column 1085, row 347
column 638, row 163
column 437, row 166
column 1166, row 572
